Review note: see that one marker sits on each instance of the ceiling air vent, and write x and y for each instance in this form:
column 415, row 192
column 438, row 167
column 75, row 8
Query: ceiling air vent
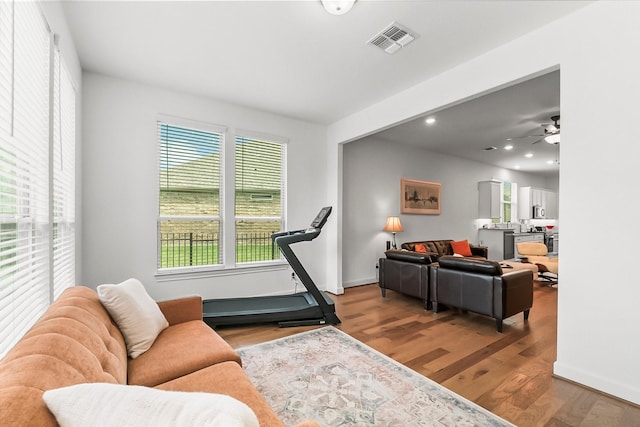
column 393, row 38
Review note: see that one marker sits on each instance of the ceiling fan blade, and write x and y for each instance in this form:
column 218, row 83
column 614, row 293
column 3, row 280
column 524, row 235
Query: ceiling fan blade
column 535, row 142
column 523, row 137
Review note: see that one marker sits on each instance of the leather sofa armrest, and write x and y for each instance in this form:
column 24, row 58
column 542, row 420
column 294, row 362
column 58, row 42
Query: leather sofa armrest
column 514, row 293
column 182, row 309
column 411, row 256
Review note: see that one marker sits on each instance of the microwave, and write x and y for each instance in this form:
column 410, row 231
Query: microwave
column 539, row 212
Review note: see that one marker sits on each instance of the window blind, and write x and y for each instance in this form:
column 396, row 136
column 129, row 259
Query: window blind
column 63, row 197
column 24, row 176
column 6, row 66
column 259, row 201
column 189, row 196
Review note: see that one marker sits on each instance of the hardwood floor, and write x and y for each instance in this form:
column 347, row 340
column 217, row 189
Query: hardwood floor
column 507, row 373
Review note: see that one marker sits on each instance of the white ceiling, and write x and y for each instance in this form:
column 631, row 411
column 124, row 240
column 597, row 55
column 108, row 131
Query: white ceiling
column 294, row 59
column 517, row 112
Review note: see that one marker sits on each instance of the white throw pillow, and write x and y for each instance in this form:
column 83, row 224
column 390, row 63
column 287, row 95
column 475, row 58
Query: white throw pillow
column 137, row 315
column 108, row 405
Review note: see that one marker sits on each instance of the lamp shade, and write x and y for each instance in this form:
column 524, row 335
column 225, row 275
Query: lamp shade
column 393, row 224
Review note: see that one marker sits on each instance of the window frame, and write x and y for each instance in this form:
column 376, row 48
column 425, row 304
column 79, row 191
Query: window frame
column 206, row 127
column 283, row 142
column 227, row 217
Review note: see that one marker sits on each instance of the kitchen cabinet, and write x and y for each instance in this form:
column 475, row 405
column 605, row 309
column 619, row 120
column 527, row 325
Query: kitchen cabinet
column 528, row 197
column 526, row 237
column 499, row 242
column 489, row 199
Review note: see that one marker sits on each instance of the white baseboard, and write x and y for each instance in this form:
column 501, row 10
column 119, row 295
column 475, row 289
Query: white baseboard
column 359, row 282
column 587, row 379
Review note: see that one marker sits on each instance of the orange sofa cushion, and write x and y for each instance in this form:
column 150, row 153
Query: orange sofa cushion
column 461, row 248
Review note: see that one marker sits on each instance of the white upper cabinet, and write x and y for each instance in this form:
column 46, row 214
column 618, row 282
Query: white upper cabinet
column 489, row 199
column 530, row 197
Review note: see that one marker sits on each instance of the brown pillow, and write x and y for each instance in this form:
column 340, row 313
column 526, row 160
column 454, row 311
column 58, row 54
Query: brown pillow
column 462, row 247
column 420, row 247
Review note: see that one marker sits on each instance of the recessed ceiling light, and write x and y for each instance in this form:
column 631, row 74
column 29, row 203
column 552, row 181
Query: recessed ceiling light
column 430, row 120
column 509, row 139
column 517, row 166
column 550, row 162
column 528, row 155
column 508, row 147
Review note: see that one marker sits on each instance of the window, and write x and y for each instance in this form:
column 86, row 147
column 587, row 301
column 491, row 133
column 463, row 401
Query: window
column 509, row 199
column 192, row 197
column 189, row 224
column 63, row 175
column 258, row 198
column 37, row 146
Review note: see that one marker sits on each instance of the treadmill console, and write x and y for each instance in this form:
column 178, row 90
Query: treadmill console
column 321, row 218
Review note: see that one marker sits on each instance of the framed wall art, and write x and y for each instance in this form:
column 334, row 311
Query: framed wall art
column 420, row 197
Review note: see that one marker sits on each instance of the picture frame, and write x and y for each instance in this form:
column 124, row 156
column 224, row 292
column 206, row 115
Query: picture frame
column 420, row 197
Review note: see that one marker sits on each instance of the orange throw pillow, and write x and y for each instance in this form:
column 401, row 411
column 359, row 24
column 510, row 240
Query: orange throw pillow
column 420, row 247
column 462, row 248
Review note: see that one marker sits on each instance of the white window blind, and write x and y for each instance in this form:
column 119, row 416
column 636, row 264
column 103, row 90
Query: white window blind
column 259, row 197
column 6, row 66
column 63, row 197
column 24, row 176
column 37, row 171
column 189, row 221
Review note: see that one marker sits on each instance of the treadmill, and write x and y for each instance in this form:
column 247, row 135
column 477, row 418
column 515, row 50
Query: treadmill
column 313, row 307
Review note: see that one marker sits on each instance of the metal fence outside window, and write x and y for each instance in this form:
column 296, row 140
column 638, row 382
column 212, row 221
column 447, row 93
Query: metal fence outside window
column 191, row 249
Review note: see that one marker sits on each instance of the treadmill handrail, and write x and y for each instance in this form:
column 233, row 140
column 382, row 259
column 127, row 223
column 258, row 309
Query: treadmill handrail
column 285, row 233
column 301, row 236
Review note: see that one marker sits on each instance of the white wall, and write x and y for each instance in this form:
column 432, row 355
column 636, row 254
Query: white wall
column 372, row 173
column 120, row 187
column 596, row 51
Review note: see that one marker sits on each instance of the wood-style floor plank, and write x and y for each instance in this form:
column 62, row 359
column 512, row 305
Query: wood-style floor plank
column 508, row 373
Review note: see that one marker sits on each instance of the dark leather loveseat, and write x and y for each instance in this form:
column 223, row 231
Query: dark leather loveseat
column 480, row 286
column 407, row 271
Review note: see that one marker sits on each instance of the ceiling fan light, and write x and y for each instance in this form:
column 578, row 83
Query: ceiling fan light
column 552, row 139
column 338, row 7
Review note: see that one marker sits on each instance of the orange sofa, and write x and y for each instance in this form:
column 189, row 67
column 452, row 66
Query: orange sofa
column 76, row 341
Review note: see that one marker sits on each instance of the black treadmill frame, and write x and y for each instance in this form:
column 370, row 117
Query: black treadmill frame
column 320, row 314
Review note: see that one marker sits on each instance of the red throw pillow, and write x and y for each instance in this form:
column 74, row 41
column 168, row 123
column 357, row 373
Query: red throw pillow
column 462, row 247
column 420, row 247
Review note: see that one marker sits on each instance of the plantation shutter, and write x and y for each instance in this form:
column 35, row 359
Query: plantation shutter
column 24, row 173
column 64, row 136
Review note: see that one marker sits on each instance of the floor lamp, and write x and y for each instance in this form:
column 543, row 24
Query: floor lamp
column 394, row 226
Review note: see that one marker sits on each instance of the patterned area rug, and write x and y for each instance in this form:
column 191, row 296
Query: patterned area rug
column 336, row 380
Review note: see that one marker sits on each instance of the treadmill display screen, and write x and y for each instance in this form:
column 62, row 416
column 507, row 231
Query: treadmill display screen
column 321, row 218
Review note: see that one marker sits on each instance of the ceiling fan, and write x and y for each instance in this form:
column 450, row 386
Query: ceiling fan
column 551, row 133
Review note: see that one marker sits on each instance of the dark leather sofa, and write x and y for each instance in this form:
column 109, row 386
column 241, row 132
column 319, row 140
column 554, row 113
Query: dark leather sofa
column 407, row 271
column 480, row 286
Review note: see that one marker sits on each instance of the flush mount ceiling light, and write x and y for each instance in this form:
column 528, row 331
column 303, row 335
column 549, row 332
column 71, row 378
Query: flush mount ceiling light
column 337, row 7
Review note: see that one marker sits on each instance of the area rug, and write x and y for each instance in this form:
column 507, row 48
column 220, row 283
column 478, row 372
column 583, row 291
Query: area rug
column 334, row 379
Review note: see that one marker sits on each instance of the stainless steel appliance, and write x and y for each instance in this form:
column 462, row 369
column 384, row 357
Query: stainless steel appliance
column 539, row 212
